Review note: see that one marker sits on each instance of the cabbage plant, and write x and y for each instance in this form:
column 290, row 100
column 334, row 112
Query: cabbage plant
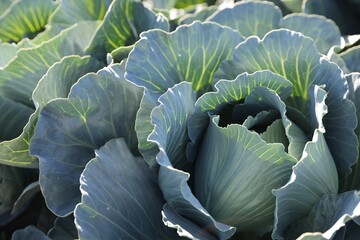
column 178, row 120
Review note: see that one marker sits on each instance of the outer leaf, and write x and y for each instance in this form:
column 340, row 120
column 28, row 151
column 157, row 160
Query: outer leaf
column 125, row 200
column 123, row 23
column 71, row 12
column 26, row 196
column 100, row 107
column 249, row 18
column 327, row 217
column 352, row 58
column 19, row 78
column 343, row 14
column 190, row 53
column 232, row 164
column 295, row 57
column 64, row 229
column 200, row 15
column 323, row 31
column 25, row 18
column 8, row 52
column 313, row 176
column 29, row 233
column 56, row 83
column 170, row 123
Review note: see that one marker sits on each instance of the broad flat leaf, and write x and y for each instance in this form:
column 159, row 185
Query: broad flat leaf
column 326, row 217
column 344, row 14
column 123, row 23
column 232, row 165
column 323, row 31
column 120, row 194
column 29, row 233
column 352, row 58
column 8, row 52
column 313, row 176
column 249, row 18
column 64, row 229
column 20, row 77
column 56, row 83
column 25, row 18
column 190, row 53
column 170, row 123
column 26, row 196
column 295, row 57
column 100, row 107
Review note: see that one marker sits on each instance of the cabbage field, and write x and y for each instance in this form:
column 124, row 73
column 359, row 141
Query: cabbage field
column 179, row 119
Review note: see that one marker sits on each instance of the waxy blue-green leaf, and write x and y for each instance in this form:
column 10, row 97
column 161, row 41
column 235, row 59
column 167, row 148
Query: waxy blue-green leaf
column 25, row 18
column 70, row 12
column 326, row 217
column 170, row 123
column 120, row 194
column 232, row 166
column 64, row 229
column 228, row 92
column 169, row 4
column 295, row 57
column 352, row 58
column 8, row 52
column 4, row 5
column 122, row 25
column 343, row 13
column 26, row 196
column 29, row 233
column 100, row 107
column 313, row 176
column 249, row 18
column 200, row 15
column 323, row 31
column 182, row 206
column 258, row 18
column 293, row 5
column 19, row 78
column 190, row 53
column 56, row 83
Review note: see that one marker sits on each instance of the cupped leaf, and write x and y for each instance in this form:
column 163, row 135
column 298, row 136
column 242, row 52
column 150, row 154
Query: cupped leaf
column 295, row 57
column 326, row 217
column 190, row 53
column 323, row 31
column 170, row 123
column 29, row 233
column 25, row 18
column 249, row 18
column 56, row 83
column 100, row 107
column 19, row 78
column 122, row 25
column 120, row 194
column 182, row 211
column 352, row 58
column 233, row 163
